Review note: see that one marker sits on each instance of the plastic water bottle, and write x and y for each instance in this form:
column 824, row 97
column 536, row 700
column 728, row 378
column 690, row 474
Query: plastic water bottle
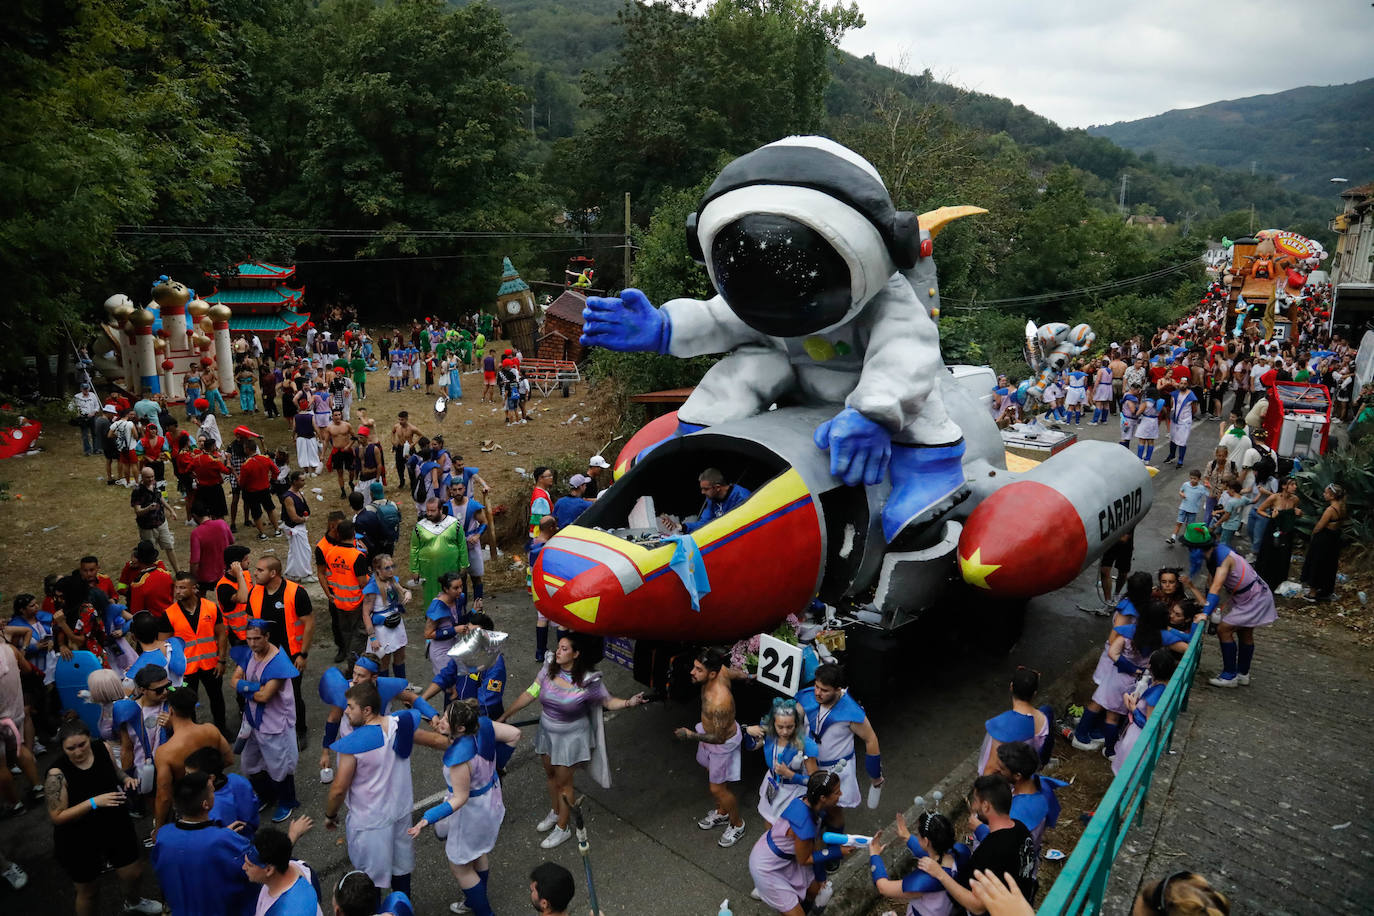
column 725, row 908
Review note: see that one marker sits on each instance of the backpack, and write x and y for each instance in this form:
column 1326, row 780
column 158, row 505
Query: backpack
column 390, row 516
column 420, row 490
column 1266, row 466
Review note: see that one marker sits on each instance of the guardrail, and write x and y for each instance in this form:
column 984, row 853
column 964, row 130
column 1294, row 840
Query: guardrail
column 1083, row 881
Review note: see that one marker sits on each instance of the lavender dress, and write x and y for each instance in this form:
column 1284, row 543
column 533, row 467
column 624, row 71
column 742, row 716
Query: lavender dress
column 781, row 880
column 565, row 732
column 1252, row 603
column 1110, row 693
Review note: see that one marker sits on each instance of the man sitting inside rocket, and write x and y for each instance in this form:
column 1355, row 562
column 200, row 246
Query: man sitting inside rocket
column 825, row 295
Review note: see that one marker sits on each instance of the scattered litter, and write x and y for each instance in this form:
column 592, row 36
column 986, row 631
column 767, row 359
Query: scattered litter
column 586, row 419
column 50, row 528
column 1055, row 855
column 568, row 421
column 467, row 422
column 316, row 490
column 319, row 499
column 1340, row 826
column 1288, row 589
column 522, row 472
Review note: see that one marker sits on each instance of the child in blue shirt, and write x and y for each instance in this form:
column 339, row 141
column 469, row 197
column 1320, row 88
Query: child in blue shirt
column 1192, row 495
column 1230, row 511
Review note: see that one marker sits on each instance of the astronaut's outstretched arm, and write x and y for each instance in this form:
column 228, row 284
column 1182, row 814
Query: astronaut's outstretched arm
column 902, row 362
column 700, row 327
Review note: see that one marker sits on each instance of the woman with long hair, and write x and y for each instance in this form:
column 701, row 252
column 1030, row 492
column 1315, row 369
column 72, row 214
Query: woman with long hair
column 1274, row 552
column 91, row 822
column 384, row 600
column 1324, row 548
column 469, row 817
column 571, row 696
column 788, row 750
column 783, row 861
column 1127, row 652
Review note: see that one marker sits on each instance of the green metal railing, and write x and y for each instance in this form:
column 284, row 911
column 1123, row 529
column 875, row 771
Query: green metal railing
column 1080, row 886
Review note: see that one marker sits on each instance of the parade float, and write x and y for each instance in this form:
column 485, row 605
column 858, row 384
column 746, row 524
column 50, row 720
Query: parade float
column 1268, row 282
column 155, row 346
column 877, row 479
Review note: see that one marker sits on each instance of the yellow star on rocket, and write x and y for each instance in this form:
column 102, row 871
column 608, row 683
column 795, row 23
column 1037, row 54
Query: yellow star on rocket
column 975, row 571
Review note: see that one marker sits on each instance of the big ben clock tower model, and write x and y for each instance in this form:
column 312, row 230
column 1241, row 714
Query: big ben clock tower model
column 515, row 306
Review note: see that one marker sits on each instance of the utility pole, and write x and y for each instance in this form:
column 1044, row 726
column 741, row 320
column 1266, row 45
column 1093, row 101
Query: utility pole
column 627, row 240
column 1121, row 198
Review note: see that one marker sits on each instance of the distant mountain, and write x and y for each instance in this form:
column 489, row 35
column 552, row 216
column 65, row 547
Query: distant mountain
column 1303, row 137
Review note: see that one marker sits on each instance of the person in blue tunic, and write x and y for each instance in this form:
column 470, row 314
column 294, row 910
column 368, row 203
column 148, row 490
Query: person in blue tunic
column 834, row 719
column 199, row 863
column 934, row 837
column 288, row 886
column 487, row 686
column 236, row 804
column 1033, row 799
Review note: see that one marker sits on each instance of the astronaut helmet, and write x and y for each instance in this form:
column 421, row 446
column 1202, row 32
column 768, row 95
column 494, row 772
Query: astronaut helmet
column 799, row 235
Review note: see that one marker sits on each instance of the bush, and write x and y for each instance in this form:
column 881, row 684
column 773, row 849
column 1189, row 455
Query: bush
column 1353, row 468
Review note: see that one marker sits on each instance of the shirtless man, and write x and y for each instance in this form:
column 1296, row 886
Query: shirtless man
column 718, row 737
column 403, row 434
column 187, row 737
column 372, row 461
column 339, row 434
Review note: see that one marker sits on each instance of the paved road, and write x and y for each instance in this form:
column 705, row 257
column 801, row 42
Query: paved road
column 648, row 853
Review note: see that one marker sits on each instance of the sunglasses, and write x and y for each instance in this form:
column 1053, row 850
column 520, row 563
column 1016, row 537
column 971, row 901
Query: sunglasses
column 162, row 689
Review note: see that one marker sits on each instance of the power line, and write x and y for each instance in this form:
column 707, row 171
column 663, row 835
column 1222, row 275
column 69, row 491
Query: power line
column 971, row 305
column 358, row 233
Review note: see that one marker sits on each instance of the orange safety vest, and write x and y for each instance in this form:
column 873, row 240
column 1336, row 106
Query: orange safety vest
column 236, row 618
column 201, row 652
column 295, row 626
column 344, row 585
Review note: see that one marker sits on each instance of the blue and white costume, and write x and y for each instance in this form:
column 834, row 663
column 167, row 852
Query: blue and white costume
column 384, row 639
column 302, row 898
column 380, row 796
column 1012, row 727
column 830, row 729
column 236, row 801
column 1110, row 694
column 777, row 792
column 934, row 899
column 1181, row 418
column 141, row 723
column 470, row 832
column 1077, row 391
column 487, row 686
column 171, row 656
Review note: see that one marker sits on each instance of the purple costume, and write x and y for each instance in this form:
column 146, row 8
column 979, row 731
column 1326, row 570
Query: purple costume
column 1252, row 603
column 782, row 880
column 1110, row 694
column 1102, row 389
column 1138, row 719
column 570, row 721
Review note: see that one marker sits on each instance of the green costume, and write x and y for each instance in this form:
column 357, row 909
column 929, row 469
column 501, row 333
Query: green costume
column 437, row 548
column 359, row 367
column 484, row 323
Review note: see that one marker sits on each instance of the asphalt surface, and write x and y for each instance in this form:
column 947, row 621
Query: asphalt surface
column 648, row 854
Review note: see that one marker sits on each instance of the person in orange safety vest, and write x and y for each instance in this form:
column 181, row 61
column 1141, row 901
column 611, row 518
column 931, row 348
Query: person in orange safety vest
column 197, row 622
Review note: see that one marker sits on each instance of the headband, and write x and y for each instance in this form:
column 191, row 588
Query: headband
column 367, row 663
column 257, row 623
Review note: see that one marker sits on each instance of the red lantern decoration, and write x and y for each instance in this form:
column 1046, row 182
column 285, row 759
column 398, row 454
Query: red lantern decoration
column 207, row 361
column 167, row 365
column 164, row 334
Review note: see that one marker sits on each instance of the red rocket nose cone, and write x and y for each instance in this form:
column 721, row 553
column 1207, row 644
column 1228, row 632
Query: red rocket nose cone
column 1026, row 539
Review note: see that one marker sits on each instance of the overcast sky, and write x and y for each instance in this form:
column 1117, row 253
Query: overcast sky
column 1080, row 63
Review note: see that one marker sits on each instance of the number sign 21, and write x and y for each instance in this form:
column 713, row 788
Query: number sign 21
column 780, row 665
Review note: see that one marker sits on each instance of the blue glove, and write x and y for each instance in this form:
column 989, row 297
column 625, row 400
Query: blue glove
column 437, row 813
column 1213, row 602
column 877, row 868
column 629, row 323
column 859, row 448
column 246, row 687
column 1126, row 666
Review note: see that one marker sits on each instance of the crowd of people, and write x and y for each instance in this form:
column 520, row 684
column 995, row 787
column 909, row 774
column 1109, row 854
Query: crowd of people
column 242, row 625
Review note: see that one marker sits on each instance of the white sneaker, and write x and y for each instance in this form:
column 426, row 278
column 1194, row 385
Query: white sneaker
column 1092, row 745
column 557, row 837
column 16, row 876
column 755, row 894
column 459, row 907
column 731, row 836
column 547, row 823
column 713, row 819
column 1243, row 680
column 144, row 905
column 1223, row 681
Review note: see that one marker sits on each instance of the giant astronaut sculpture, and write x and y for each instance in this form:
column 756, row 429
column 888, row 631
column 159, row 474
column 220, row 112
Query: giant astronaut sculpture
column 825, row 296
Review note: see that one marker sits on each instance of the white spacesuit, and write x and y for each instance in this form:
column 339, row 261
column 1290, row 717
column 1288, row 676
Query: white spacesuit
column 826, row 296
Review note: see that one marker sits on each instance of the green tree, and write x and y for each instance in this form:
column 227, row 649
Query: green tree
column 107, row 122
